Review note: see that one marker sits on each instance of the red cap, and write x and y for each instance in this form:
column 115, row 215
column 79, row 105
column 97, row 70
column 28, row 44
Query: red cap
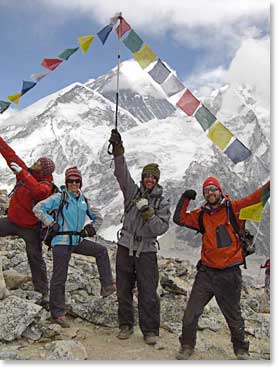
column 73, row 172
column 48, row 166
column 212, row 181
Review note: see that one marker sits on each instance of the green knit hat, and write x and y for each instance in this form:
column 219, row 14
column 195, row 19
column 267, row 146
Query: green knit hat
column 151, row 169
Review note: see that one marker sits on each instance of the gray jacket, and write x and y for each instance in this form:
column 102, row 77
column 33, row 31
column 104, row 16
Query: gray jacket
column 136, row 234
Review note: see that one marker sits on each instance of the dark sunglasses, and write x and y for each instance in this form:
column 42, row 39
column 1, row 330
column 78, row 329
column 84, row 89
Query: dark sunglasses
column 206, row 190
column 72, row 180
column 146, row 175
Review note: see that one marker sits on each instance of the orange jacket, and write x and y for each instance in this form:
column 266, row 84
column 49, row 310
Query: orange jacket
column 29, row 190
column 220, row 243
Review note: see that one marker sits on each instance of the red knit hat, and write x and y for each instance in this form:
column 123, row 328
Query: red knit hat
column 47, row 165
column 73, row 172
column 212, row 181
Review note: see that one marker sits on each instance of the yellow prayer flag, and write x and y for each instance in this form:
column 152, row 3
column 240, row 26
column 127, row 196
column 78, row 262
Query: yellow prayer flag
column 252, row 212
column 15, row 98
column 220, row 135
column 85, row 42
column 144, row 56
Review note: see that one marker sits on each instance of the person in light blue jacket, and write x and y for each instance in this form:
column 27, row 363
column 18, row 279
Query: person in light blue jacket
column 66, row 232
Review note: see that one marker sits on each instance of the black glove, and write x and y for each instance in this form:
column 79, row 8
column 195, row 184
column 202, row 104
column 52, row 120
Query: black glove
column 116, row 142
column 53, row 229
column 190, row 194
column 88, row 231
column 115, row 138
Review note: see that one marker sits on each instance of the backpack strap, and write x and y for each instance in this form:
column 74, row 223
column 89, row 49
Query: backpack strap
column 235, row 225
column 201, row 222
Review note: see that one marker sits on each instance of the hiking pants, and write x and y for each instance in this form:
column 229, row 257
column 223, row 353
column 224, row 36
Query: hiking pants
column 225, row 285
column 143, row 271
column 31, row 236
column 61, row 257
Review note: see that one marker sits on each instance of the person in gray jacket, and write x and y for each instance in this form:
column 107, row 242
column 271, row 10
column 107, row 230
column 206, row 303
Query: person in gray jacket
column 146, row 216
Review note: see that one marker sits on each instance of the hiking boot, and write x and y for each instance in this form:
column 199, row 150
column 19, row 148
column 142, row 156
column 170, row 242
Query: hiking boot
column 108, row 290
column 150, row 338
column 242, row 354
column 185, row 352
column 125, row 332
column 61, row 321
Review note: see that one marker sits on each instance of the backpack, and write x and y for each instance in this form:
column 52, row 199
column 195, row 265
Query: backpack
column 246, row 238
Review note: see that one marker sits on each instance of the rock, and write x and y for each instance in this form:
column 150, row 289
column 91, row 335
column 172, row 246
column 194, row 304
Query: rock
column 66, row 350
column 173, row 284
column 32, row 332
column 16, row 315
column 210, row 323
column 8, row 355
column 3, row 289
column 50, row 331
column 99, row 311
column 14, row 279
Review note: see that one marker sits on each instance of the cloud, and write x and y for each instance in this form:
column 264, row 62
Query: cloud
column 250, row 66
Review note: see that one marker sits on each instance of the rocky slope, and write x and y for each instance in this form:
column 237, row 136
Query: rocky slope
column 27, row 333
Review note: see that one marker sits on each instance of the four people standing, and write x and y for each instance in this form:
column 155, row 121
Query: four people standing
column 146, row 216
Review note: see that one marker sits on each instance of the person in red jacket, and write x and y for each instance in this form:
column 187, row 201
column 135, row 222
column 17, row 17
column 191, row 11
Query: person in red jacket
column 218, row 273
column 33, row 184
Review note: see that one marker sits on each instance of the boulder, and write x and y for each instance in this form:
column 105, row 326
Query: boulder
column 16, row 314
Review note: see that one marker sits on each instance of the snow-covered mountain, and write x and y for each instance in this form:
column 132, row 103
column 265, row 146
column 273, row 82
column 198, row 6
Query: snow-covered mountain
column 73, row 126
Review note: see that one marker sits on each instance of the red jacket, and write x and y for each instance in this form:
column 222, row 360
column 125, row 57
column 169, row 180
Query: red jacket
column 220, row 243
column 30, row 189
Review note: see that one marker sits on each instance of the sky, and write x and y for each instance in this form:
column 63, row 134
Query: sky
column 199, row 39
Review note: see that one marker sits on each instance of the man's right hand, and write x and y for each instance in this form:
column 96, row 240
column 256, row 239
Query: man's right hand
column 190, row 194
column 116, row 142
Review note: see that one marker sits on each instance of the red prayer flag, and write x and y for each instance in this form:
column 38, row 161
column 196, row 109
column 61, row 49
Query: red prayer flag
column 51, row 64
column 188, row 103
column 123, row 27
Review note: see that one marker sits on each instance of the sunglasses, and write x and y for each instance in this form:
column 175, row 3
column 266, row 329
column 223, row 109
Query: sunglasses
column 206, row 190
column 146, row 175
column 72, row 180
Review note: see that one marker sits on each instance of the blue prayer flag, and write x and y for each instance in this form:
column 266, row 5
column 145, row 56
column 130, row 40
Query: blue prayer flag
column 237, row 151
column 104, row 33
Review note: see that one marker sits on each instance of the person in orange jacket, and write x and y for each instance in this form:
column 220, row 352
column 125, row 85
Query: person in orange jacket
column 219, row 272
column 33, row 184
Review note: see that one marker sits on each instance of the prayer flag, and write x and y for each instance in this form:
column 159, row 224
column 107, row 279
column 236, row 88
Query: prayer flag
column 159, row 72
column 51, row 64
column 252, row 212
column 123, row 27
column 220, row 135
column 38, row 76
column 65, row 55
column 204, row 117
column 26, row 86
column 188, row 103
column 133, row 41
column 265, row 193
column 85, row 42
column 15, row 98
column 4, row 106
column 144, row 56
column 237, row 151
column 104, row 33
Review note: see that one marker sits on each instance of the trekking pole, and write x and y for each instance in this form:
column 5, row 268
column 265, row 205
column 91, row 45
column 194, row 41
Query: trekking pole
column 117, row 82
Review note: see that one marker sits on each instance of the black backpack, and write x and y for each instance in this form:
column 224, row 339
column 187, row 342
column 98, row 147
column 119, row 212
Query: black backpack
column 246, row 238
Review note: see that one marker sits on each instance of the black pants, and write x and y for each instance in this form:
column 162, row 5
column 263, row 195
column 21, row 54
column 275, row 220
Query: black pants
column 33, row 249
column 61, row 257
column 143, row 271
column 225, row 285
